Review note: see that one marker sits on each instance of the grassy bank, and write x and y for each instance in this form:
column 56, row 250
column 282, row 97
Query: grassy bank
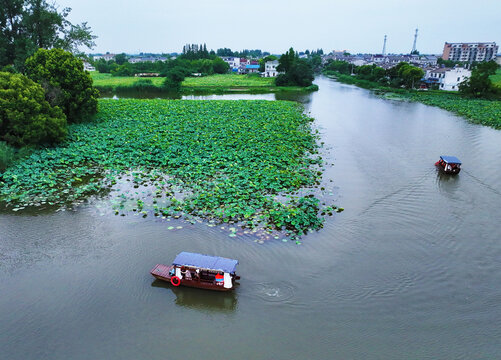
column 479, row 111
column 222, row 160
column 227, row 83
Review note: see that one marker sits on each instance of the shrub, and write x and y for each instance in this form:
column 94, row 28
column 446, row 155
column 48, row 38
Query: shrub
column 281, row 80
column 66, row 83
column 26, row 118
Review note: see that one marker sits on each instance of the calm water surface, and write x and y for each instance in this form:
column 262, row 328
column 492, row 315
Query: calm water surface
column 410, row 270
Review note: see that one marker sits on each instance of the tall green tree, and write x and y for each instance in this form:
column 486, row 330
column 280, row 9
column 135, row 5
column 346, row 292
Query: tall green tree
column 286, row 61
column 65, row 82
column 296, row 72
column 26, row 25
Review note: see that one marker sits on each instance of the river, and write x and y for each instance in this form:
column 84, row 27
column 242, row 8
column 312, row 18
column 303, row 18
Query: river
column 410, row 270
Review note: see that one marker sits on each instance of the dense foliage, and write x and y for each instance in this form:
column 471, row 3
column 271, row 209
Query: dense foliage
column 479, row 84
column 403, row 74
column 232, row 159
column 26, row 25
column 246, row 53
column 25, row 117
column 296, row 71
column 65, row 82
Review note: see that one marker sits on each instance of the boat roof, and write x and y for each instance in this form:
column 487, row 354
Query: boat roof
column 206, row 262
column 450, row 159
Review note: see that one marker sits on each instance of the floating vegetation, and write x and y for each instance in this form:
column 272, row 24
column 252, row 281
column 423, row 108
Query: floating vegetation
column 246, row 163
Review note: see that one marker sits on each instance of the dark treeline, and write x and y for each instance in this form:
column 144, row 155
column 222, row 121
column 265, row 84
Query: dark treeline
column 400, row 75
column 405, row 75
column 244, row 53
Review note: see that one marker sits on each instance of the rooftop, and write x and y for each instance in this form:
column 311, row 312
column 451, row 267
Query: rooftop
column 206, row 262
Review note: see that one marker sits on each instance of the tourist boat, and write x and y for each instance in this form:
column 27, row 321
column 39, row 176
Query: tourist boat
column 449, row 164
column 199, row 271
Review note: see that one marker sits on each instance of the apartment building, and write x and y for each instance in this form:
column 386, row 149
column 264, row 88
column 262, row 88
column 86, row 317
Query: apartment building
column 469, row 52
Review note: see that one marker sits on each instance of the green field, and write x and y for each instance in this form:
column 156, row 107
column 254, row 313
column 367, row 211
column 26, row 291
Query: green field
column 228, row 81
column 221, row 160
column 101, row 80
column 219, row 83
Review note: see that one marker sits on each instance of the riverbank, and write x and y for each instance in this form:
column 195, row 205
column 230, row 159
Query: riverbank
column 213, row 84
column 478, row 111
column 221, row 160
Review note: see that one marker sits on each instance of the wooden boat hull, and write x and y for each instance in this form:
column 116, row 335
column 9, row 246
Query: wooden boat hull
column 161, row 272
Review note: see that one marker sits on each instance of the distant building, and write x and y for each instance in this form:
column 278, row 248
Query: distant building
column 447, row 78
column 106, row 56
column 233, row 62
column 152, row 59
column 498, row 60
column 270, row 69
column 469, row 52
column 88, row 67
column 250, row 69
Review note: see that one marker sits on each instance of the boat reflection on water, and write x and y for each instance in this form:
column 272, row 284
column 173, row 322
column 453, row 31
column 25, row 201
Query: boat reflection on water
column 201, row 299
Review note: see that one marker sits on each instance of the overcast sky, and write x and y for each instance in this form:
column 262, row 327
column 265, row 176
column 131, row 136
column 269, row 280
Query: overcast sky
column 357, row 26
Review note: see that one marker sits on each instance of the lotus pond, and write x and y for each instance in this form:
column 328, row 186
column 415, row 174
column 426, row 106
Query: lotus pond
column 251, row 163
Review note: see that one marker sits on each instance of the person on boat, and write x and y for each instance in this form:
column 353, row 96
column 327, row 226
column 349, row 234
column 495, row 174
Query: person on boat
column 219, row 278
column 185, row 273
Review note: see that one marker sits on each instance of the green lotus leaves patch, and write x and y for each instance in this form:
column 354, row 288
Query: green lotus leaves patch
column 224, row 161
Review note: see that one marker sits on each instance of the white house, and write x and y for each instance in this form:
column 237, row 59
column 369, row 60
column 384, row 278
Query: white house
column 447, row 78
column 453, row 78
column 106, row 57
column 270, row 69
column 88, row 67
column 233, row 62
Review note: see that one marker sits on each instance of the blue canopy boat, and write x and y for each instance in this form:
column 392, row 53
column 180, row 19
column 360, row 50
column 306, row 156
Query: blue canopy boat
column 449, row 164
column 200, row 271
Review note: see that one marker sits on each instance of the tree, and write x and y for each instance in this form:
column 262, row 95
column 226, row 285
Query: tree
column 65, row 82
column 410, row 75
column 174, row 78
column 220, row 66
column 286, row 61
column 26, row 118
column 296, row 71
column 479, row 84
column 301, row 73
column 26, row 25
column 121, row 59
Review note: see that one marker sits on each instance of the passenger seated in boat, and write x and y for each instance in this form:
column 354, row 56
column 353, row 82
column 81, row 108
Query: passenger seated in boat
column 185, row 273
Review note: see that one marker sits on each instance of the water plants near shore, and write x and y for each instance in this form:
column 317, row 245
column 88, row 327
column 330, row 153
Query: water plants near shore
column 238, row 161
column 478, row 111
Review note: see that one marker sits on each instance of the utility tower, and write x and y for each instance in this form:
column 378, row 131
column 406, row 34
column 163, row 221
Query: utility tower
column 414, row 45
column 384, row 46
